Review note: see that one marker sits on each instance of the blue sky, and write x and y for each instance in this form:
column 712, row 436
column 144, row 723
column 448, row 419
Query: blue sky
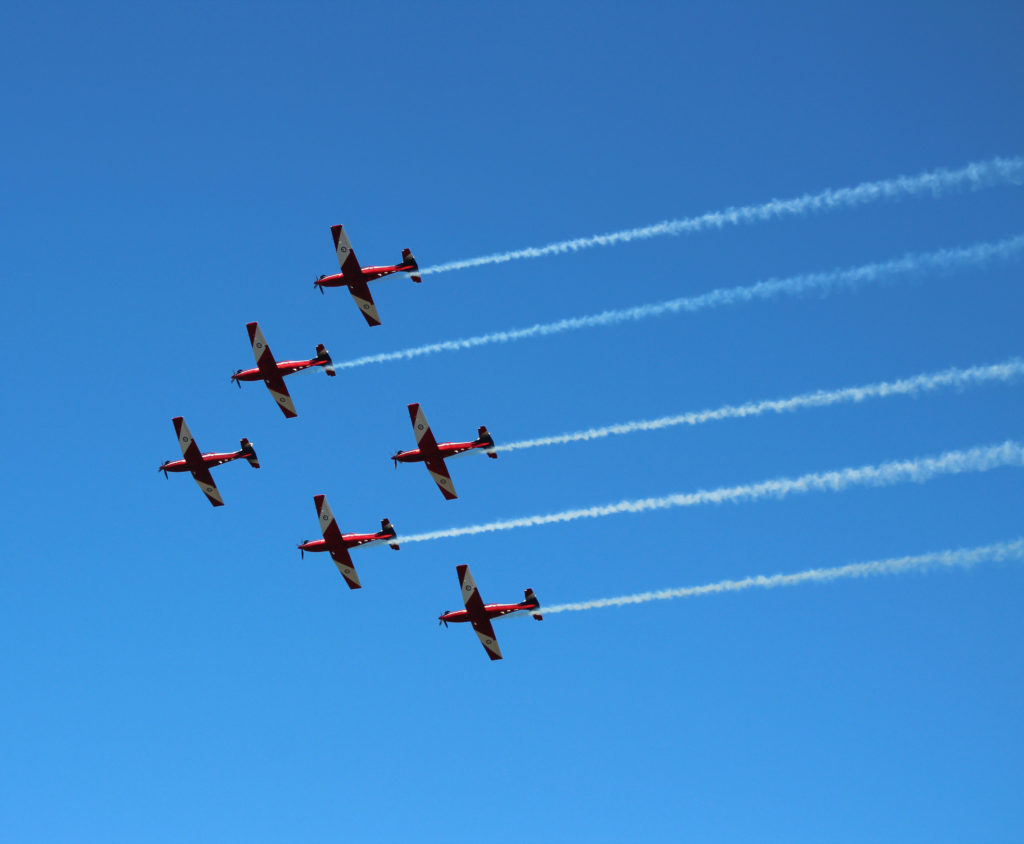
column 173, row 671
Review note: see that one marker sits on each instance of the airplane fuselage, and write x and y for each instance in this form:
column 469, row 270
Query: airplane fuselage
column 490, row 611
column 444, row 450
column 349, row 540
column 286, row 367
column 368, row 274
column 211, row 459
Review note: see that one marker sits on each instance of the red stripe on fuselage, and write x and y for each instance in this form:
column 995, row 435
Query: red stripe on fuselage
column 490, row 611
column 348, row 540
column 287, row 367
column 417, row 455
column 368, row 274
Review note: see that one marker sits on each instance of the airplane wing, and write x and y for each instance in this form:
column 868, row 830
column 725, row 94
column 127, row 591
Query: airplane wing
column 268, row 369
column 421, row 428
column 346, row 257
column 194, row 460
column 477, row 614
column 344, row 563
column 206, row 484
column 332, row 534
column 439, row 472
column 360, row 291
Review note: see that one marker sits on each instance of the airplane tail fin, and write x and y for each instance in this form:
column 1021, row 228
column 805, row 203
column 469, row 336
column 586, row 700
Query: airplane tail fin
column 486, row 439
column 323, row 358
column 409, row 261
column 249, row 453
column 389, row 529
column 531, row 599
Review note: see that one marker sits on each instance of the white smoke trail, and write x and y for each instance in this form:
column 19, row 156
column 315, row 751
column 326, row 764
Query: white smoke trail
column 982, row 174
column 918, row 470
column 943, row 259
column 953, row 377
column 964, row 557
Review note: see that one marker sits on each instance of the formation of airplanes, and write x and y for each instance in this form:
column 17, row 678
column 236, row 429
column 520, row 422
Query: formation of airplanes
column 428, row 450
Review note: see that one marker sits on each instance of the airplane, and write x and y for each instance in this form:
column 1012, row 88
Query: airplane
column 480, row 614
column 199, row 464
column 272, row 373
column 337, row 544
column 433, row 453
column 356, row 277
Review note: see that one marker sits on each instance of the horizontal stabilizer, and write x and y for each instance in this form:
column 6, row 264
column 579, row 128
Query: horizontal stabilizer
column 530, row 599
column 249, row 453
column 323, row 358
column 413, row 268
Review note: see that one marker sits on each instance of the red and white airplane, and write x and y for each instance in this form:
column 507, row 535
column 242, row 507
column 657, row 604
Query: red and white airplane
column 355, row 277
column 337, row 544
column 480, row 614
column 272, row 373
column 433, row 453
column 199, row 464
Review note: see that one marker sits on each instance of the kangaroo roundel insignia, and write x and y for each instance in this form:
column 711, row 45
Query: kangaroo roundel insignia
column 185, row 439
column 259, row 345
column 419, row 427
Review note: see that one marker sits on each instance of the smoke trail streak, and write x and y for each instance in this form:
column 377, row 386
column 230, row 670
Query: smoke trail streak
column 943, row 259
column 982, row 174
column 918, row 470
column 964, row 557
column 929, row 382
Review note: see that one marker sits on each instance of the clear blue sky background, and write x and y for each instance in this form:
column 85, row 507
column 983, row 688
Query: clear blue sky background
column 173, row 672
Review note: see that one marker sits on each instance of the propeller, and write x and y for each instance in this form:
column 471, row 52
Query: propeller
column 302, row 551
column 239, row 383
column 162, row 469
column 316, row 282
column 441, row 621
